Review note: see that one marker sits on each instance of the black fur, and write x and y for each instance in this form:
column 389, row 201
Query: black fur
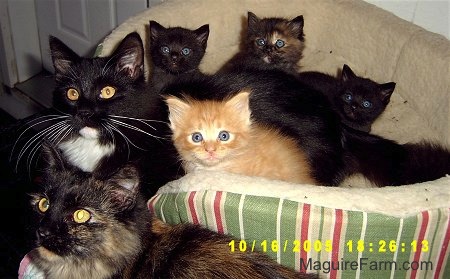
column 358, row 101
column 334, row 151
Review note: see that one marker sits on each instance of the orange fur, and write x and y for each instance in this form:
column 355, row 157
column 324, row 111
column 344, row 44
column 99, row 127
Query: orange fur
column 251, row 149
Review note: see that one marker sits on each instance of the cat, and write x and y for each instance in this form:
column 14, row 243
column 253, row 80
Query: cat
column 359, row 101
column 92, row 228
column 106, row 114
column 175, row 51
column 334, row 151
column 219, row 135
column 270, row 43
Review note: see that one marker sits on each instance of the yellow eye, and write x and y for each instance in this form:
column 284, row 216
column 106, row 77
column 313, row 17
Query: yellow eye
column 81, row 216
column 43, row 205
column 107, row 92
column 72, row 94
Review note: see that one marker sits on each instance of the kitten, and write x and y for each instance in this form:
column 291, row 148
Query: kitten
column 359, row 101
column 219, row 135
column 270, row 43
column 334, row 151
column 93, row 228
column 175, row 51
column 106, row 115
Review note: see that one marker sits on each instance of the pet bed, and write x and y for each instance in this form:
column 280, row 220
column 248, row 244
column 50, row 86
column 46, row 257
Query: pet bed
column 353, row 231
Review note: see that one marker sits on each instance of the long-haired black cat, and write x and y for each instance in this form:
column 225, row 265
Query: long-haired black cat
column 334, row 151
column 175, row 51
column 90, row 228
column 359, row 101
column 270, row 43
column 106, row 115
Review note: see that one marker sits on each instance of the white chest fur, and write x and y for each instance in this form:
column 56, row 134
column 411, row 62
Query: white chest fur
column 85, row 153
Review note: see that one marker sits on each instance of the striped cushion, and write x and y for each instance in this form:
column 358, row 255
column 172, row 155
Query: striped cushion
column 340, row 243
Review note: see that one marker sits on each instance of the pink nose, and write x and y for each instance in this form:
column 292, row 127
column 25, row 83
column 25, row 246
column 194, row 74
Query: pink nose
column 210, row 147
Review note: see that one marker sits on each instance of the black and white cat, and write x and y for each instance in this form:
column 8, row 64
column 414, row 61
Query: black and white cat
column 175, row 51
column 106, row 114
column 359, row 101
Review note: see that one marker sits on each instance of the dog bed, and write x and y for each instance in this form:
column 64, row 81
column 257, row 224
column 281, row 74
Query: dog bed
column 352, row 231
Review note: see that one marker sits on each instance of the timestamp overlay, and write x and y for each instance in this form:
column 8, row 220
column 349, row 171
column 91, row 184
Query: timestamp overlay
column 399, row 253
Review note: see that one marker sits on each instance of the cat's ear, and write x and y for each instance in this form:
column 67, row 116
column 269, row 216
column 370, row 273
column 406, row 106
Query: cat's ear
column 129, row 56
column 252, row 19
column 202, row 34
column 52, row 157
column 177, row 108
column 296, row 26
column 240, row 103
column 386, row 90
column 155, row 29
column 128, row 180
column 347, row 73
column 62, row 56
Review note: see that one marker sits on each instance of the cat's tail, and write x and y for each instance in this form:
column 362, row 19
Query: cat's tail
column 387, row 163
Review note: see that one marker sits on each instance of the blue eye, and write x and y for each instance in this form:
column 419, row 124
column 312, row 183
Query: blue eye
column 197, row 137
column 224, row 136
column 366, row 104
column 185, row 51
column 348, row 97
column 279, row 43
column 165, row 49
column 260, row 42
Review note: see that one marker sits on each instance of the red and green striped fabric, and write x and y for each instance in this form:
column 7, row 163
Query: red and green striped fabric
column 333, row 242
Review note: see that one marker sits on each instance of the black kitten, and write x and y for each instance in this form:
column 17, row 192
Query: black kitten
column 106, row 115
column 102, row 229
column 334, row 151
column 175, row 51
column 270, row 43
column 359, row 101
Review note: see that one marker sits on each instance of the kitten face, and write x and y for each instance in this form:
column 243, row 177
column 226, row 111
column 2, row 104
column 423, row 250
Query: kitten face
column 207, row 133
column 177, row 50
column 361, row 100
column 275, row 40
column 85, row 222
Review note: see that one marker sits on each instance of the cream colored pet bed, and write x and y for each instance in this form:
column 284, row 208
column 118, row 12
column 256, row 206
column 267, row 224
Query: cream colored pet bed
column 390, row 232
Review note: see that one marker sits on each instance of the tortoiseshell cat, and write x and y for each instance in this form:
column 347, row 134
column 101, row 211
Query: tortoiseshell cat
column 175, row 51
column 220, row 135
column 99, row 229
column 270, row 43
column 106, row 115
column 359, row 101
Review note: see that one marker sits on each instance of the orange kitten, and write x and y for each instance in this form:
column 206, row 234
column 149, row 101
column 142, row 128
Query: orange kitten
column 219, row 135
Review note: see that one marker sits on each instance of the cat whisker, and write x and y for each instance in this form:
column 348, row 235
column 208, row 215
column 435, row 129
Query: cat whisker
column 104, row 69
column 126, row 138
column 120, row 133
column 55, row 117
column 110, row 132
column 36, row 139
column 126, row 125
column 141, row 120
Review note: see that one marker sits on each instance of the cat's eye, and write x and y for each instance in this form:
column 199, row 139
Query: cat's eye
column 43, row 205
column 107, row 92
column 279, row 43
column 197, row 137
column 165, row 49
column 185, row 51
column 224, row 136
column 348, row 97
column 72, row 94
column 366, row 104
column 81, row 216
column 260, row 42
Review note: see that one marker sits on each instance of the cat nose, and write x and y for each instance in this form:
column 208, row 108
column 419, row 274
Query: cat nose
column 42, row 232
column 85, row 113
column 210, row 147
